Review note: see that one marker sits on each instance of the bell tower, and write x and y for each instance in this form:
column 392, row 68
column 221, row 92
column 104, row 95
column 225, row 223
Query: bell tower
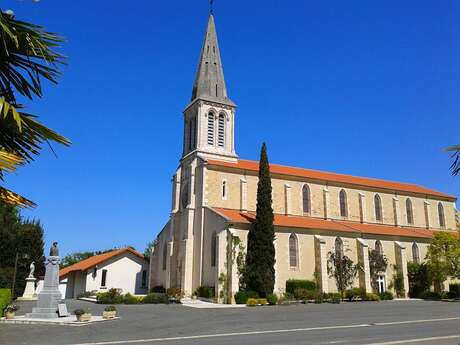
column 209, row 119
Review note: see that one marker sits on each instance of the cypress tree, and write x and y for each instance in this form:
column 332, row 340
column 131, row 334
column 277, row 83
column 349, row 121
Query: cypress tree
column 260, row 257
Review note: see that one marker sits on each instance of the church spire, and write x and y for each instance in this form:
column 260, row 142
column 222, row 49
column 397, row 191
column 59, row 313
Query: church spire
column 209, row 81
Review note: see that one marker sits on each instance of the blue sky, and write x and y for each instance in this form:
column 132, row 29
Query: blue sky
column 360, row 87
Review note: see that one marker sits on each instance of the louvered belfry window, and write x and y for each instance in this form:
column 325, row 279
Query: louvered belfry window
column 211, row 129
column 221, row 131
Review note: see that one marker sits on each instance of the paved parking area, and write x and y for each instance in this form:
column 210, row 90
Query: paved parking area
column 388, row 322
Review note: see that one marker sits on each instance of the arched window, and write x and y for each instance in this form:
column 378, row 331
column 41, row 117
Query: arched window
column 415, row 253
column 213, row 250
column 343, row 203
column 378, row 208
column 442, row 219
column 191, row 136
column 221, row 131
column 306, row 202
column 378, row 247
column 293, row 250
column 165, row 255
column 211, row 128
column 409, row 211
column 338, row 247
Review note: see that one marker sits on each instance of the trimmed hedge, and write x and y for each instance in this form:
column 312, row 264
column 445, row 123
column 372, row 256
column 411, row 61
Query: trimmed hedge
column 156, row 298
column 293, row 284
column 5, row 299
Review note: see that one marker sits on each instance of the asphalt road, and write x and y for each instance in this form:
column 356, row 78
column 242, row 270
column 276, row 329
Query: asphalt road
column 383, row 323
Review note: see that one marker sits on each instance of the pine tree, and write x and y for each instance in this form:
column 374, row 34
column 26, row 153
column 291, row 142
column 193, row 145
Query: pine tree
column 260, row 259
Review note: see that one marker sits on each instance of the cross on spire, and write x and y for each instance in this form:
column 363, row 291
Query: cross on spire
column 211, row 6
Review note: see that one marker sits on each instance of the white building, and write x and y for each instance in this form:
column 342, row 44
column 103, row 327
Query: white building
column 124, row 269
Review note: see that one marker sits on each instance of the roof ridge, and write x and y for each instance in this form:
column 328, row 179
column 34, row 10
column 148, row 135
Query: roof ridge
column 321, row 175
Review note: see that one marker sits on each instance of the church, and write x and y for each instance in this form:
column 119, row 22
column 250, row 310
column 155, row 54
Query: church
column 214, row 201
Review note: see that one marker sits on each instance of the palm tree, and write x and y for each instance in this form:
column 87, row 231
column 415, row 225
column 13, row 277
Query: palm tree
column 455, row 167
column 27, row 55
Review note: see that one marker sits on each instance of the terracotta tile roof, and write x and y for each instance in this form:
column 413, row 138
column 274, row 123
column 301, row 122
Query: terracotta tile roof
column 96, row 260
column 333, row 177
column 304, row 222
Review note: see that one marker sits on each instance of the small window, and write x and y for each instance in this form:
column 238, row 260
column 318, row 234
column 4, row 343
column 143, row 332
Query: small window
column 442, row 219
column 378, row 247
column 221, row 131
column 378, row 208
column 338, row 247
column 165, row 256
column 415, row 253
column 224, row 189
column 104, row 278
column 306, row 200
column 409, row 211
column 211, row 129
column 213, row 250
column 343, row 203
column 293, row 250
column 144, row 278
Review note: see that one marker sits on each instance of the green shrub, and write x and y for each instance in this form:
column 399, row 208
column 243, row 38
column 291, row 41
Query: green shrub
column 372, row 297
column 386, row 296
column 272, row 299
column 454, row 290
column 251, row 302
column 431, row 295
column 5, row 299
column 205, row 291
column 293, row 284
column 113, row 296
column 85, row 294
column 333, row 297
column 130, row 299
column 242, row 296
column 158, row 289
column 355, row 293
column 175, row 294
column 110, row 308
column 79, row 311
column 304, row 294
column 262, row 301
column 156, row 298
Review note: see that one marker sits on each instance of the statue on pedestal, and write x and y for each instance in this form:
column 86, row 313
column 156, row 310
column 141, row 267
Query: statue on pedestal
column 54, row 250
column 32, row 269
column 50, row 296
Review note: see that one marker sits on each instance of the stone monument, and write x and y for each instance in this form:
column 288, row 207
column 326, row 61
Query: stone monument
column 50, row 296
column 29, row 291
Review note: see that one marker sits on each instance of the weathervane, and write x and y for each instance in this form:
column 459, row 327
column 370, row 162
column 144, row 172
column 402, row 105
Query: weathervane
column 211, row 3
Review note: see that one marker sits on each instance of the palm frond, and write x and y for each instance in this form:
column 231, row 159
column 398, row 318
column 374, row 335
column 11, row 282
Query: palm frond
column 22, row 134
column 27, row 55
column 455, row 166
column 9, row 161
column 14, row 199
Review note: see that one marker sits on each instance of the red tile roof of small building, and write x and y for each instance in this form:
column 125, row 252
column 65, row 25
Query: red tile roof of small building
column 305, row 222
column 334, row 177
column 97, row 259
